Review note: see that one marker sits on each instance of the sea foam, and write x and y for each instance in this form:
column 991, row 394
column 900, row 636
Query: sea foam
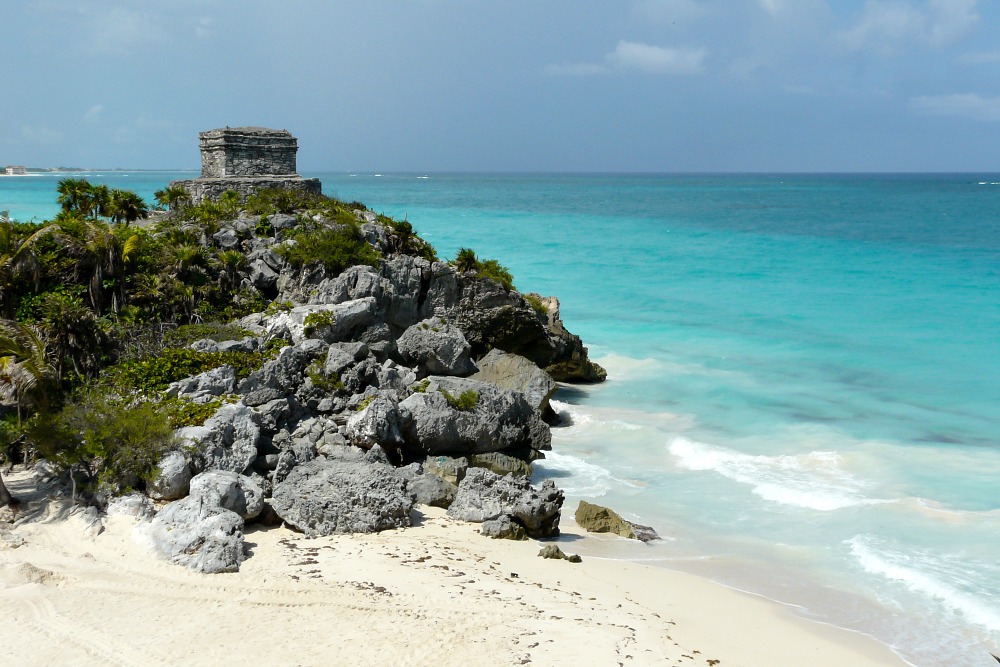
column 815, row 480
column 951, row 582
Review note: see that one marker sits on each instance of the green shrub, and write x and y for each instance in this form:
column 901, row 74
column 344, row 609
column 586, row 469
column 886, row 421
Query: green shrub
column 464, row 402
column 466, row 260
column 536, row 304
column 317, row 321
column 336, row 248
column 111, row 441
column 364, row 403
column 181, row 412
column 421, row 387
column 173, row 364
column 186, row 334
column 321, row 380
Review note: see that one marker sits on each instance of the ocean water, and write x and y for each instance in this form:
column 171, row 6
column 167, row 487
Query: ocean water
column 804, row 373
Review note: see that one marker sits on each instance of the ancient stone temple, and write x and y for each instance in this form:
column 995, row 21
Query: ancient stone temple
column 246, row 159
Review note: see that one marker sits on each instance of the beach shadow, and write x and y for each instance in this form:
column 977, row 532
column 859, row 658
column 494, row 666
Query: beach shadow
column 417, row 518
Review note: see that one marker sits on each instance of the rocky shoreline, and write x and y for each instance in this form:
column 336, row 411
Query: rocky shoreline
column 407, row 382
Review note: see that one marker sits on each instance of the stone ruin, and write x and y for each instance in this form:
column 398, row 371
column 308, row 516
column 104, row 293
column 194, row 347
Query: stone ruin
column 246, row 159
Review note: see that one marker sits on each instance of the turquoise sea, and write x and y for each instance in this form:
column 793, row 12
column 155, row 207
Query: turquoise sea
column 804, row 373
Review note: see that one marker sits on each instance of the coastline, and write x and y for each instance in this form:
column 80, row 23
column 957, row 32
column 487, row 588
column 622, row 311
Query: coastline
column 438, row 593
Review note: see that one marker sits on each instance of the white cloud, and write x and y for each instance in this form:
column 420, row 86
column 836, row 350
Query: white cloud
column 967, row 105
column 950, row 19
column 886, row 25
column 38, row 134
column 656, row 59
column 772, row 7
column 93, row 113
column 637, row 56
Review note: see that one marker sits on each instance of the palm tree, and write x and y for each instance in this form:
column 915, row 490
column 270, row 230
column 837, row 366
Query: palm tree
column 18, row 260
column 26, row 369
column 173, row 197
column 74, row 193
column 126, row 206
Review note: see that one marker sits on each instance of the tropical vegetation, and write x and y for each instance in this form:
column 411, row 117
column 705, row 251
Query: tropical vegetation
column 99, row 306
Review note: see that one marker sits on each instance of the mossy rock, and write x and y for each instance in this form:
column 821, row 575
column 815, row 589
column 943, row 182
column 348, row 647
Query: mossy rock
column 598, row 519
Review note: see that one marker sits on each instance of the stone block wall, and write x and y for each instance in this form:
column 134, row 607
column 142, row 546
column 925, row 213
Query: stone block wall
column 247, row 151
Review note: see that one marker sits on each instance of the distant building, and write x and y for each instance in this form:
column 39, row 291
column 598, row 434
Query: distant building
column 15, row 170
column 246, row 159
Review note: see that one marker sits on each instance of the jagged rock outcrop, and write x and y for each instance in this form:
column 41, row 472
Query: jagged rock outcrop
column 437, row 347
column 229, row 490
column 517, row 373
column 173, row 477
column 498, row 421
column 206, row 386
column 427, row 489
column 484, row 496
column 501, row 464
column 227, row 441
column 198, row 534
column 598, row 519
column 503, row 528
column 378, row 423
column 348, row 494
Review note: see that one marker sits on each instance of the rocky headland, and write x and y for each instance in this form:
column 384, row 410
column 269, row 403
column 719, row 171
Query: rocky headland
column 406, row 380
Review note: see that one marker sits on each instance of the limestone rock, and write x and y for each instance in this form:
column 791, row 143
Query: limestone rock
column 500, row 421
column 503, row 528
column 598, row 519
column 553, row 551
column 427, row 489
column 227, row 441
column 451, row 470
column 438, row 347
column 197, row 535
column 172, row 478
column 133, row 505
column 331, row 496
column 501, row 464
column 234, row 492
column 514, row 372
column 378, row 423
column 205, row 386
column 484, row 495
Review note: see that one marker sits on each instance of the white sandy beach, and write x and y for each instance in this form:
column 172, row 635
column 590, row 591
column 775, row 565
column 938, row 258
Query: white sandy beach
column 435, row 594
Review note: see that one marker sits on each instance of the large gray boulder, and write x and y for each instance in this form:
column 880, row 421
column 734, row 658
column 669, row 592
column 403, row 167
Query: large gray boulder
column 227, row 441
column 517, row 373
column 173, row 476
column 378, row 423
column 332, row 323
column 205, row 386
column 281, row 376
column 427, row 489
column 484, row 496
column 436, row 346
column 354, row 494
column 229, row 490
column 197, row 534
column 500, row 420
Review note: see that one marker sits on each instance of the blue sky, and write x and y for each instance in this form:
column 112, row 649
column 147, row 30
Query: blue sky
column 521, row 85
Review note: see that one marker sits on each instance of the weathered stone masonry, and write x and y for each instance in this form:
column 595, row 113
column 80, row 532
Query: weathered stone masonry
column 246, row 159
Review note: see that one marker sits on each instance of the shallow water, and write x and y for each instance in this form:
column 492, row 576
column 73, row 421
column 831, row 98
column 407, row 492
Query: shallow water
column 803, row 373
